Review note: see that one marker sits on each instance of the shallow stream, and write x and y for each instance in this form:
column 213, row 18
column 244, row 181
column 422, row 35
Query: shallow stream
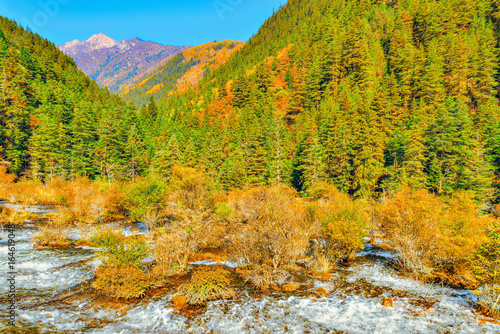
column 46, row 299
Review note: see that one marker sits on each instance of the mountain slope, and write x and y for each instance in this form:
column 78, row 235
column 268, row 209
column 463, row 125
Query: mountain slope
column 56, row 121
column 180, row 72
column 368, row 95
column 115, row 64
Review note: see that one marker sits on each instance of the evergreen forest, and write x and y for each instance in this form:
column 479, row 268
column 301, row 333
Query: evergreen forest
column 342, row 163
column 368, row 95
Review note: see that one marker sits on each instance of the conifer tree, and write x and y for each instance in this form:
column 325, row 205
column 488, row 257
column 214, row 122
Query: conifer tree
column 456, row 148
column 168, row 156
column 232, row 173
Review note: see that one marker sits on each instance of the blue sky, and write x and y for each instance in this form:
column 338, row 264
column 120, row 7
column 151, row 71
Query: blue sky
column 181, row 22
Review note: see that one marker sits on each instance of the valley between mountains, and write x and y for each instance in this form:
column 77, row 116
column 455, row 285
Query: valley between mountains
column 338, row 171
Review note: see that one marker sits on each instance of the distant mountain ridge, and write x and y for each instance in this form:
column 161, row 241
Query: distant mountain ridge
column 116, row 64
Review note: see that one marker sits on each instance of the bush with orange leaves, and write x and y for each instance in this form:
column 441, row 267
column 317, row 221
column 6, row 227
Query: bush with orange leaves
column 342, row 220
column 411, row 221
column 193, row 196
column 80, row 200
column 272, row 227
column 191, row 189
column 175, row 243
column 123, row 275
column 208, row 283
column 461, row 233
column 53, row 236
column 486, row 270
column 496, row 211
column 434, row 237
column 6, row 181
column 193, row 222
column 86, row 201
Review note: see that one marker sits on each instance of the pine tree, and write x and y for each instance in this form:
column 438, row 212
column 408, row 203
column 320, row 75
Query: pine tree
column 168, row 156
column 310, row 160
column 84, row 139
column 241, row 91
column 368, row 156
column 456, row 148
column 150, row 113
column 232, row 173
column 134, row 152
column 484, row 64
column 432, row 85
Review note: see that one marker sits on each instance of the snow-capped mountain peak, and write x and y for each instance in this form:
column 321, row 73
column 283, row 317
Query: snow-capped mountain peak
column 101, row 41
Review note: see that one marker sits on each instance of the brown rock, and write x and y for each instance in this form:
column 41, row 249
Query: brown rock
column 388, row 302
column 488, row 321
column 275, row 287
column 291, row 287
column 179, row 301
column 322, row 291
column 323, row 277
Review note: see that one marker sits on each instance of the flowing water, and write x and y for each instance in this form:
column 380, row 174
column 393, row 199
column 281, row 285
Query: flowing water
column 47, row 302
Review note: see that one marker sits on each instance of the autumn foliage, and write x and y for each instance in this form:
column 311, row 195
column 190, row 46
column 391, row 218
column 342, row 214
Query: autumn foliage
column 123, row 275
column 434, row 236
column 208, row 283
column 342, row 221
column 264, row 230
column 272, row 229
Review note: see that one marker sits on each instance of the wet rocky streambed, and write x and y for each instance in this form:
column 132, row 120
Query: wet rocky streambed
column 53, row 296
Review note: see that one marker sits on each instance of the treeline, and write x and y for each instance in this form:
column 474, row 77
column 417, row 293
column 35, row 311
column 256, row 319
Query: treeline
column 180, row 72
column 55, row 121
column 367, row 95
column 161, row 82
column 370, row 96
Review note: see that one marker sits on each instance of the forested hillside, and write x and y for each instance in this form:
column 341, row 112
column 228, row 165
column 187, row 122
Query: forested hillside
column 369, row 95
column 181, row 72
column 346, row 157
column 55, row 121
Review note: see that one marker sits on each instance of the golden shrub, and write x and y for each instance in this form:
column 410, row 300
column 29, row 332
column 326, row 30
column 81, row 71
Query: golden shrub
column 208, row 283
column 263, row 276
column 191, row 189
column 81, row 200
column 273, row 229
column 324, row 190
column 291, row 287
column 87, row 201
column 434, row 236
column 193, row 222
column 320, row 264
column 123, row 275
column 13, row 216
column 496, row 211
column 489, row 300
column 52, row 237
column 117, row 250
column 170, row 252
column 344, row 225
column 461, row 230
column 411, row 220
column 6, row 181
column 486, row 270
column 174, row 244
column 127, row 282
